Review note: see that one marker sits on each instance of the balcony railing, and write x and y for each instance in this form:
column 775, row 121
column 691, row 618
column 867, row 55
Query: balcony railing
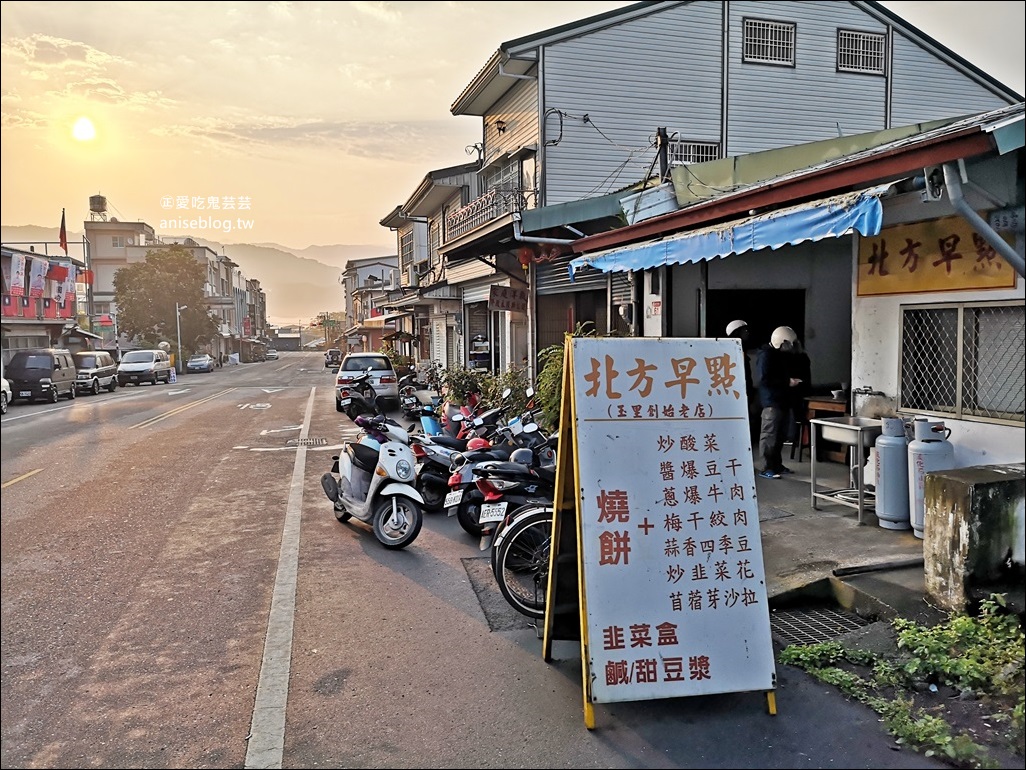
column 493, row 204
column 39, row 308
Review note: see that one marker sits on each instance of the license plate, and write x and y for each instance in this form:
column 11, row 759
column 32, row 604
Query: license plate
column 491, row 512
column 345, row 401
column 24, row 393
column 453, row 498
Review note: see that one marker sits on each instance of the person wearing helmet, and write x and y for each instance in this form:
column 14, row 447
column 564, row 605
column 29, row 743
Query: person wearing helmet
column 777, row 366
column 739, row 330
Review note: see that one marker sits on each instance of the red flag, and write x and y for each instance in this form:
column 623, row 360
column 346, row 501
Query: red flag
column 64, row 234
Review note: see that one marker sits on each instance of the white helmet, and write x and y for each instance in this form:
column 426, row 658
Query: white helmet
column 781, row 335
column 733, row 326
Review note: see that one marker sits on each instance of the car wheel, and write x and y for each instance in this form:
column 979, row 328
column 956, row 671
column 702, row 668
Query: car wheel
column 54, row 395
column 72, row 392
column 3, row 403
column 112, row 385
column 95, row 390
column 156, row 379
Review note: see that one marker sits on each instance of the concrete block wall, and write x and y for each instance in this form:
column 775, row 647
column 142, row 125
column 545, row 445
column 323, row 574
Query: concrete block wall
column 974, row 534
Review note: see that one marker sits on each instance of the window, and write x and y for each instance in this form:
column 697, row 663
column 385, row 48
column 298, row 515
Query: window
column 117, row 241
column 768, row 42
column 681, row 152
column 406, row 247
column 965, row 360
column 860, row 52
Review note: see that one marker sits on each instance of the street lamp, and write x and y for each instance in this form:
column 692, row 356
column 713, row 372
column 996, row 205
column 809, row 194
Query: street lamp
column 178, row 326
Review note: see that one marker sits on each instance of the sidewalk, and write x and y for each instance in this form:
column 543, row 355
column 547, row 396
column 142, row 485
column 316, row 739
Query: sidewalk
column 825, row 553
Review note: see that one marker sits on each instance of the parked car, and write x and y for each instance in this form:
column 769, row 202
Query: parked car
column 42, row 373
column 96, row 369
column 201, row 362
column 139, row 366
column 383, row 376
column 332, row 358
column 271, row 354
column 5, row 395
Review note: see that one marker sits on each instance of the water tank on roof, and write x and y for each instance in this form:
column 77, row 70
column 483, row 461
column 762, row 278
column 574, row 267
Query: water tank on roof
column 97, row 204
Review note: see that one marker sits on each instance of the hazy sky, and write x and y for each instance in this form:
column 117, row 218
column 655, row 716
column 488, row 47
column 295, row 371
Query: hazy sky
column 314, row 119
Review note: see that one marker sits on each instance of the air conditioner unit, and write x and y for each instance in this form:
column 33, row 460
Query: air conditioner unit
column 412, row 277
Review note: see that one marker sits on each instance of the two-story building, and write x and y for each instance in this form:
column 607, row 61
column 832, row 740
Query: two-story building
column 578, row 117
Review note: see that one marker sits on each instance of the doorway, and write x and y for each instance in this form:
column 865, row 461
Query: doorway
column 762, row 309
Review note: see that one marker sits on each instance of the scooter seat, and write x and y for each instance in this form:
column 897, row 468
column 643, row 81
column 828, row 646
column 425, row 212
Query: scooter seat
column 450, row 442
column 363, row 456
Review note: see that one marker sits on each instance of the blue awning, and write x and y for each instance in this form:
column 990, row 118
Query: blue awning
column 826, row 218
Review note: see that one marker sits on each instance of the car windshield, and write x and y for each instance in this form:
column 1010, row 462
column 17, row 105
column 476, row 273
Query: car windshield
column 30, row 362
column 366, row 362
column 201, row 357
column 86, row 362
column 137, row 357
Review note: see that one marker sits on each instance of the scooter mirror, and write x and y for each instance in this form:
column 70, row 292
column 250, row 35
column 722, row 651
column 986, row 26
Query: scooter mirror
column 531, row 427
column 529, row 392
column 507, row 393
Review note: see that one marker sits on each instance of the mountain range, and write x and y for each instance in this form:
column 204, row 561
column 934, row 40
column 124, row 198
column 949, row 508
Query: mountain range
column 298, row 283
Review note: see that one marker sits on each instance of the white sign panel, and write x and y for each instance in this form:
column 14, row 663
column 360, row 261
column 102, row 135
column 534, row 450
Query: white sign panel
column 670, row 545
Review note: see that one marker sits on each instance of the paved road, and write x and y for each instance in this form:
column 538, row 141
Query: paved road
column 177, row 593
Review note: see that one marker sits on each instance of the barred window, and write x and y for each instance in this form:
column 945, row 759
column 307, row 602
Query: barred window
column 768, row 42
column 681, row 152
column 860, row 52
column 965, row 360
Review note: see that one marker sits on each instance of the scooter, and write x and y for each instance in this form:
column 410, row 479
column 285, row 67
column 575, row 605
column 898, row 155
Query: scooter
column 358, row 397
column 373, row 481
column 414, row 393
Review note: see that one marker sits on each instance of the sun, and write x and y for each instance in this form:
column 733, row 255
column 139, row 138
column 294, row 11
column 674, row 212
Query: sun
column 84, row 131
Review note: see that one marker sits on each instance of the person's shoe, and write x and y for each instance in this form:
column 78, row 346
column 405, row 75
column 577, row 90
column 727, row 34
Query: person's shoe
column 784, row 470
column 770, row 475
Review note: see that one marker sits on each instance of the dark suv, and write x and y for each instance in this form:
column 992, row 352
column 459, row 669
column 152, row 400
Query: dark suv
column 42, row 373
column 332, row 358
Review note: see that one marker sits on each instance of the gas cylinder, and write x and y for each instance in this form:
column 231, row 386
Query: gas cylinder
column 892, row 499
column 929, row 451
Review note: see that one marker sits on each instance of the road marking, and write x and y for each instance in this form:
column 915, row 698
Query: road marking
column 177, row 410
column 266, row 431
column 267, row 730
column 176, row 392
column 271, row 390
column 22, row 477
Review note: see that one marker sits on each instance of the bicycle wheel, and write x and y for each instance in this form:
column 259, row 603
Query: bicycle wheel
column 522, row 563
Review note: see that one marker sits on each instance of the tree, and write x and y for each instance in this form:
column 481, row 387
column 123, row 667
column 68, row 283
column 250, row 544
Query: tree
column 146, row 293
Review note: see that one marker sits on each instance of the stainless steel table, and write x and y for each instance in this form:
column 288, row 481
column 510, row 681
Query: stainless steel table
column 858, row 434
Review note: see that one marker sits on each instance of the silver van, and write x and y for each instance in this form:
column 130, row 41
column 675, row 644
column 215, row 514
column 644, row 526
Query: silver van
column 96, row 369
column 139, row 366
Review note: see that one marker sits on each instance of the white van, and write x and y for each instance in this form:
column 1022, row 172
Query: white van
column 139, row 366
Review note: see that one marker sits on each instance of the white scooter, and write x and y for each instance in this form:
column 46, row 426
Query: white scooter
column 373, row 480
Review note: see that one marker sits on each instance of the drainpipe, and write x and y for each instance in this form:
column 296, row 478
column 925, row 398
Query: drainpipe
column 518, row 234
column 953, row 181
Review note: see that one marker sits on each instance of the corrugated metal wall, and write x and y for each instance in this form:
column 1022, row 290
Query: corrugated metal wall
column 920, row 88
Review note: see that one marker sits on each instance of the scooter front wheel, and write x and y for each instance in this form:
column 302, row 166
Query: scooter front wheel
column 397, row 521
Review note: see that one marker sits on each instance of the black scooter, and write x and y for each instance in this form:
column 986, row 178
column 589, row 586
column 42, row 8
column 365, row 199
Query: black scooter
column 359, row 397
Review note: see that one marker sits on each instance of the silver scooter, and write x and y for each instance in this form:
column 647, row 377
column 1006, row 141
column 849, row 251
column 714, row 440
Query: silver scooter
column 373, row 480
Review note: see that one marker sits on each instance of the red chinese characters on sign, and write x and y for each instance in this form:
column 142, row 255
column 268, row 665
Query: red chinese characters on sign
column 716, row 377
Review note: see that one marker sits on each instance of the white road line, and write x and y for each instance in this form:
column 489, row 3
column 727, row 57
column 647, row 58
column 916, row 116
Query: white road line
column 267, row 731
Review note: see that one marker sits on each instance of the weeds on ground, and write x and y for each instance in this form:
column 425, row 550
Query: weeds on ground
column 977, row 661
